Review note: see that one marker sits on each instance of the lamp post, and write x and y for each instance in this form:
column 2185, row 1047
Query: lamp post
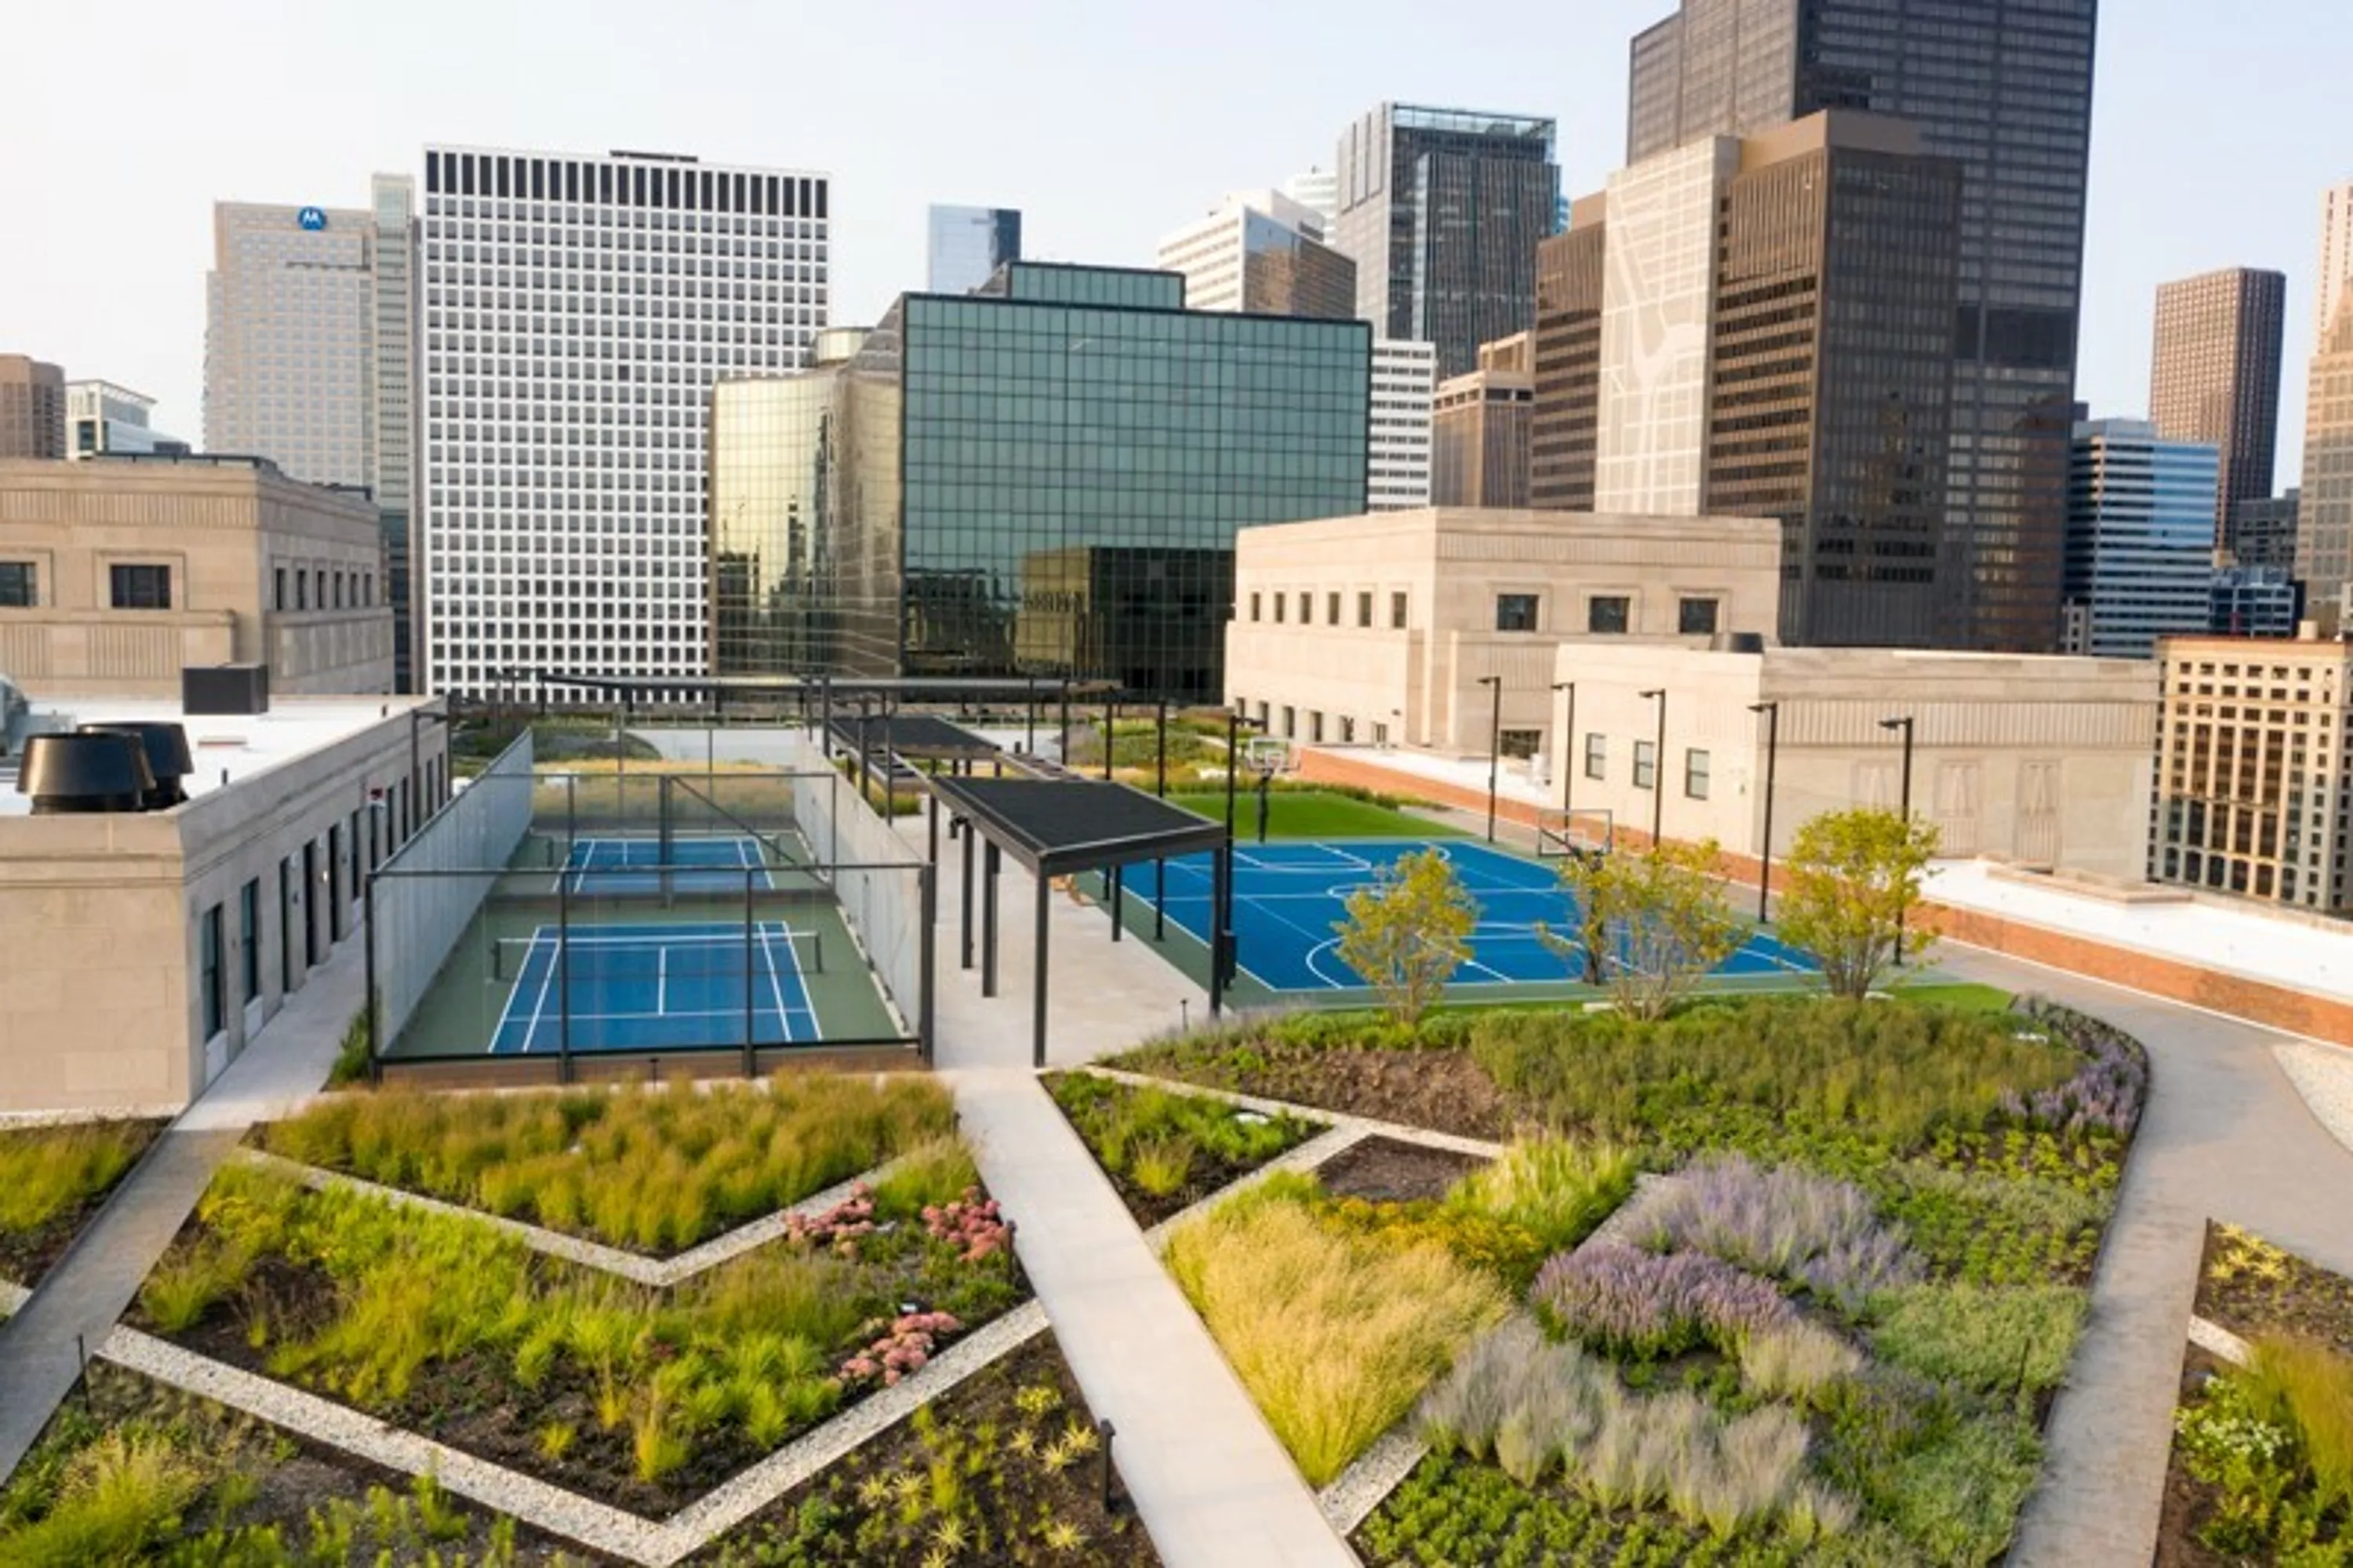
column 1567, row 754
column 1904, row 724
column 1658, row 767
column 1494, row 746
column 1772, row 712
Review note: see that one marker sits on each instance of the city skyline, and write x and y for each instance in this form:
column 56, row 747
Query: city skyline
column 115, row 293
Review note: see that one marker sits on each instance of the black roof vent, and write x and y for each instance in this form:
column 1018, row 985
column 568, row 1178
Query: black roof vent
column 70, row 773
column 168, row 760
column 1737, row 642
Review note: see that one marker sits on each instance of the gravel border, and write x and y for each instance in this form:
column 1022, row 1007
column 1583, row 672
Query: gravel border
column 1305, row 1156
column 2218, row 1341
column 1365, row 1485
column 660, row 1273
column 2322, row 1074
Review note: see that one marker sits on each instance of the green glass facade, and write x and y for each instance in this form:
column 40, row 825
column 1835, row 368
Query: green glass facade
column 1043, row 481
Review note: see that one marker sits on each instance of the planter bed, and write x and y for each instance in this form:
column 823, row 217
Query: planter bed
column 128, row 1469
column 1165, row 1151
column 642, row 1398
column 989, row 1472
column 2253, row 1446
column 651, row 1170
column 53, row 1181
column 1389, row 1171
column 1830, row 1334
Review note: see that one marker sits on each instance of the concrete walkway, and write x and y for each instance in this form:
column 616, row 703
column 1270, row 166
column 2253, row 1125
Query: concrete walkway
column 1207, row 1476
column 2226, row 1136
column 80, row 1300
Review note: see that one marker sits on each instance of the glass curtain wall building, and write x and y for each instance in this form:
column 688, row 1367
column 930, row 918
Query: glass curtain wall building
column 1441, row 209
column 1044, row 480
column 968, row 244
column 2005, row 90
column 2141, row 538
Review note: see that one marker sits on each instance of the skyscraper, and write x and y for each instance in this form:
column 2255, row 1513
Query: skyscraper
column 32, row 407
column 2324, row 521
column 1479, row 437
column 1045, row 480
column 1397, row 452
column 2141, row 538
column 1261, row 252
column 968, row 244
column 1319, row 191
column 1567, row 360
column 2214, row 373
column 2336, row 253
column 2007, row 91
column 104, row 418
column 310, row 354
column 578, row 310
column 1441, row 210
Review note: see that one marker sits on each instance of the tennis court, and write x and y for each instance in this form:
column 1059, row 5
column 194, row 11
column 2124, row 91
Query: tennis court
column 629, row 988
column 1289, row 896
column 617, row 867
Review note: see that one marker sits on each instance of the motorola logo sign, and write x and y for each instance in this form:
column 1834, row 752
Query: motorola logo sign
column 312, row 217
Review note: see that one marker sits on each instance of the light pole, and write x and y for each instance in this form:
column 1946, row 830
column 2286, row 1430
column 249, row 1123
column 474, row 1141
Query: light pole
column 1904, row 724
column 1567, row 754
column 1658, row 767
column 1772, row 712
column 1494, row 747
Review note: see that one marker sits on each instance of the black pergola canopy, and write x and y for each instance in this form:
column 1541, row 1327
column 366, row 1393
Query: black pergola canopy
column 1058, row 827
column 919, row 737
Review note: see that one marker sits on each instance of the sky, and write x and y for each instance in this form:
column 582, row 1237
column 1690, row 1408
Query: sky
column 1108, row 123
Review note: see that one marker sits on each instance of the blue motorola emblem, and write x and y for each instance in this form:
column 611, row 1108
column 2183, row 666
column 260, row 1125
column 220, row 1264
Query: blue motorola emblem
column 312, row 217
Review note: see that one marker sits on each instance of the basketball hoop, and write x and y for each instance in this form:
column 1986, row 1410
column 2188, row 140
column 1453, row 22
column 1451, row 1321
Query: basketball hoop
column 1268, row 756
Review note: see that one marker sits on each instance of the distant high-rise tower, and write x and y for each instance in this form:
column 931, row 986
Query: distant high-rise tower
column 2215, row 372
column 2323, row 523
column 968, row 244
column 2141, row 538
column 577, row 312
column 1264, row 253
column 1479, row 447
column 2336, row 253
column 2005, row 90
column 101, row 417
column 1567, row 360
column 1318, row 190
column 32, row 407
column 1441, row 210
column 1398, row 451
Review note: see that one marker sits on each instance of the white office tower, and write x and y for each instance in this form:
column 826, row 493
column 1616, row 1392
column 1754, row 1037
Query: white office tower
column 576, row 312
column 1318, row 189
column 1396, row 457
column 1260, row 251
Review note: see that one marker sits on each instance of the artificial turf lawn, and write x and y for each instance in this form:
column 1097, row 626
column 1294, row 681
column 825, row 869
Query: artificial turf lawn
column 1313, row 814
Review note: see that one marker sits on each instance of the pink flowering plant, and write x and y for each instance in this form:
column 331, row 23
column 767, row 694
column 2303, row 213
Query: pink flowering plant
column 972, row 1224
column 902, row 1349
column 837, row 1229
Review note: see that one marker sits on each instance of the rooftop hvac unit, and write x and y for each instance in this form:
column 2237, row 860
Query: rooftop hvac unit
column 214, row 689
column 90, row 771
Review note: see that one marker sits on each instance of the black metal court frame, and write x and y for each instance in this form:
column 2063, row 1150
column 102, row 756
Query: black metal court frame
column 1061, row 826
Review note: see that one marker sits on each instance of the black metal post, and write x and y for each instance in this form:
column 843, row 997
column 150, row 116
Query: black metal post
column 1658, row 769
column 1494, row 747
column 964, row 926
column 562, row 979
column 931, row 807
column 1233, row 762
column 988, row 918
column 751, row 989
column 367, row 929
column 1160, row 900
column 1567, row 754
column 1117, row 890
column 1110, row 722
column 1033, row 747
column 1108, row 1431
column 1221, row 889
column 926, row 1015
column 1063, row 759
column 825, row 716
column 1038, row 1002
column 1904, row 724
column 1772, row 712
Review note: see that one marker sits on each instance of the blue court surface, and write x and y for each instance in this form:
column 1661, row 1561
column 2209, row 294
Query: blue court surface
column 637, row 987
column 623, row 866
column 1289, row 896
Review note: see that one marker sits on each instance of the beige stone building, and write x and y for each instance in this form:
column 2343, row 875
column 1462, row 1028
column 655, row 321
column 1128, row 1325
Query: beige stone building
column 118, row 573
column 2254, row 778
column 2040, row 759
column 144, row 949
column 1377, row 629
column 1480, row 428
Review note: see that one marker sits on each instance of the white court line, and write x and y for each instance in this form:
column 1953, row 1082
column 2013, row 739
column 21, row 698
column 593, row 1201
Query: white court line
column 661, row 978
column 531, row 1032
column 776, row 985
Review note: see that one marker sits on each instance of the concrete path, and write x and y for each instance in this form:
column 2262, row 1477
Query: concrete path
column 2225, row 1136
column 80, row 1300
column 1209, row 1478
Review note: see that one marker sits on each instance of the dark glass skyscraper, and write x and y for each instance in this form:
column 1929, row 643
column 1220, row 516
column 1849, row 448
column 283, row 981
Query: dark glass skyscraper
column 2005, row 87
column 1441, row 209
column 1043, row 481
column 967, row 245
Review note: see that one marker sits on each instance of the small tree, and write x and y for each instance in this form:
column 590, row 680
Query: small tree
column 1409, row 932
column 1848, row 879
column 1649, row 926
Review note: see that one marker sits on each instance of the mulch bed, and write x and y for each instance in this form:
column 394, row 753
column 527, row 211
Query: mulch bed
column 825, row 1521
column 2306, row 1300
column 1444, row 1090
column 1387, row 1170
column 25, row 1255
column 474, row 1402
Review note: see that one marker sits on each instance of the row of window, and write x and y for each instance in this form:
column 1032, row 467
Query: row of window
column 336, row 589
column 629, row 185
column 1697, row 764
column 130, row 586
column 1605, row 614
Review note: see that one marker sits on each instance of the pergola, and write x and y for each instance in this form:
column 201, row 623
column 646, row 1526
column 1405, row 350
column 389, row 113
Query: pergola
column 1060, row 827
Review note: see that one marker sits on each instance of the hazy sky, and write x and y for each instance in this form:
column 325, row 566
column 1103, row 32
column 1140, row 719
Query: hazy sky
column 1108, row 122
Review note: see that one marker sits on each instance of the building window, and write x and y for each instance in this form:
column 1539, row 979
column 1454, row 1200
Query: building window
column 302, row 589
column 1331, row 610
column 1364, row 610
column 1254, row 606
column 1695, row 617
column 1282, row 602
column 1515, row 612
column 1596, row 756
column 20, row 585
column 1695, row 766
column 278, row 587
column 248, row 937
column 141, row 588
column 1607, row 614
column 216, row 1010
column 1396, row 612
column 1290, row 722
column 1520, row 744
column 1315, row 726
column 1646, row 765
column 1306, row 609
